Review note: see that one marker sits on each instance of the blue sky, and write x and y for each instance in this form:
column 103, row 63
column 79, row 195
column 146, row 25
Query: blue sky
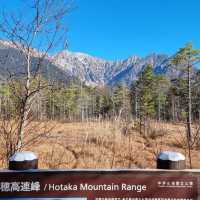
column 116, row 29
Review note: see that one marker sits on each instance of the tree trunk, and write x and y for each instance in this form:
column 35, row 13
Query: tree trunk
column 140, row 124
column 189, row 114
column 136, row 106
column 173, row 108
column 22, row 126
column 199, row 114
column 159, row 108
column 25, row 105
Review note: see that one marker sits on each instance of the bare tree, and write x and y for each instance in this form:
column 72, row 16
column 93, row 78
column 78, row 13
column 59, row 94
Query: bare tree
column 34, row 34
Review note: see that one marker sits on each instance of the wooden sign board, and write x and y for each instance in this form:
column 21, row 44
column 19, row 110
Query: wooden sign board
column 100, row 185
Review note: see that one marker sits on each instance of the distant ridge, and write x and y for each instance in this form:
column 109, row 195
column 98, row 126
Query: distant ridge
column 89, row 69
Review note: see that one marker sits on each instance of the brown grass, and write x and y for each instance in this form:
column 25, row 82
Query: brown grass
column 107, row 145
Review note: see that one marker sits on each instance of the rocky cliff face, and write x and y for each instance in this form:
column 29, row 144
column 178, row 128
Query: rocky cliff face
column 91, row 70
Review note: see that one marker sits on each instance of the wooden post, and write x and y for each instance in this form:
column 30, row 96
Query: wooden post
column 23, row 161
column 170, row 160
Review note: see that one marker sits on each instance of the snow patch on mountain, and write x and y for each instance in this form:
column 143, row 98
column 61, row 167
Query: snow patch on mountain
column 98, row 71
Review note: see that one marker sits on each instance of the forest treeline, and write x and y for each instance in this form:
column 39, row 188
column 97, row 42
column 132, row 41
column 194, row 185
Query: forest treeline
column 151, row 96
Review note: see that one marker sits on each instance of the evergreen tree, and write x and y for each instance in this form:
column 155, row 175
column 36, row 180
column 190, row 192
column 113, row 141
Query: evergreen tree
column 121, row 101
column 161, row 88
column 185, row 59
column 146, row 104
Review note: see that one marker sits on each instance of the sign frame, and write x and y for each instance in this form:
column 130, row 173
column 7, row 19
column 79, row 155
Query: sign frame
column 125, row 184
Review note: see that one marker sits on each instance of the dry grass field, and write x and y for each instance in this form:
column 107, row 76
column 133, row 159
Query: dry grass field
column 108, row 145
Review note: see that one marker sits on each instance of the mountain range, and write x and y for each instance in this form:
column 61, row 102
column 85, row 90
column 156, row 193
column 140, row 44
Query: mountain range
column 91, row 70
